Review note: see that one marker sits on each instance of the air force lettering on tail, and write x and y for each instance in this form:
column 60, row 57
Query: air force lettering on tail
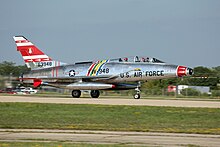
column 111, row 74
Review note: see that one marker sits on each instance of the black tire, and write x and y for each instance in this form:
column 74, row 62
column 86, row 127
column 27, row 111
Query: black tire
column 76, row 93
column 137, row 96
column 94, row 93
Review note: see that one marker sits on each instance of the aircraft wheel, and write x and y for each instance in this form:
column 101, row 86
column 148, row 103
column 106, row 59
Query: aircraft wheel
column 137, row 96
column 94, row 93
column 76, row 93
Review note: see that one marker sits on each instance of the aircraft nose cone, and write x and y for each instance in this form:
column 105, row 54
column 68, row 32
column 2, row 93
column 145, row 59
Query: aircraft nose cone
column 184, row 71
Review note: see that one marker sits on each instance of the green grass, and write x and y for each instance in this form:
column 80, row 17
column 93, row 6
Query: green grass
column 113, row 118
column 54, row 144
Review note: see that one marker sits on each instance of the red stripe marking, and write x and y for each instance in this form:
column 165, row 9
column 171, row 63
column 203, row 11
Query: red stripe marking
column 25, row 50
column 22, row 41
column 28, row 60
column 41, row 59
column 90, row 69
column 37, row 60
column 56, row 69
column 52, row 72
column 181, row 71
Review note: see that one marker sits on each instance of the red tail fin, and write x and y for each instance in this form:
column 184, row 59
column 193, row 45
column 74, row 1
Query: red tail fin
column 33, row 57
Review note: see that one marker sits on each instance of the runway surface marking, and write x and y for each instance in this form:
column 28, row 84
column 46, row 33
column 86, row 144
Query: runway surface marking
column 110, row 137
column 108, row 101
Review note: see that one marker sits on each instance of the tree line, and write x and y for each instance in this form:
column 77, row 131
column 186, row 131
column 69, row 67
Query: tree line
column 11, row 69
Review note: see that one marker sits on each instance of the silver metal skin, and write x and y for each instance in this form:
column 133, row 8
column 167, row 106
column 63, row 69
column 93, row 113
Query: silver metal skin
column 117, row 72
column 111, row 74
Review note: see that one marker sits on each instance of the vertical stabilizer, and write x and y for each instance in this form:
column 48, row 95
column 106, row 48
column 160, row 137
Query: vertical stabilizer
column 33, row 57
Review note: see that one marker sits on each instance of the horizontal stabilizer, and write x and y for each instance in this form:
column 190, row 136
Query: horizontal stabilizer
column 37, row 83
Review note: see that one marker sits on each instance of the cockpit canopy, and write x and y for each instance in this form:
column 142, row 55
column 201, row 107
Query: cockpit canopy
column 136, row 59
column 128, row 59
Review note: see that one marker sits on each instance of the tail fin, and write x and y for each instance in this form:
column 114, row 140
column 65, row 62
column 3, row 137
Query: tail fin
column 33, row 57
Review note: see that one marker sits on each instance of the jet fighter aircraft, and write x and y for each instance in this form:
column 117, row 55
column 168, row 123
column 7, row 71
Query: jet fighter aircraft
column 110, row 74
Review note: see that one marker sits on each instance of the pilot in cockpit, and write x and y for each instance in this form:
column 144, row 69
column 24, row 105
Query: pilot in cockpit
column 143, row 59
column 136, row 59
column 126, row 59
column 147, row 59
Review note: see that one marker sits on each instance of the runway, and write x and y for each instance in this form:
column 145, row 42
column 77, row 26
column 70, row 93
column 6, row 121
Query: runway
column 109, row 137
column 109, row 101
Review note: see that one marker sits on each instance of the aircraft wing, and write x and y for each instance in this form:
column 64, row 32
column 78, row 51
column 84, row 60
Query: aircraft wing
column 86, row 78
column 78, row 78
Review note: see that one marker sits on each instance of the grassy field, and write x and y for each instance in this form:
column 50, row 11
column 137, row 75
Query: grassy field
column 114, row 118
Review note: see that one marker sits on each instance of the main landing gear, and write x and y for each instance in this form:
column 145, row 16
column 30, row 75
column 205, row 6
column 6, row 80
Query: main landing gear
column 76, row 93
column 93, row 93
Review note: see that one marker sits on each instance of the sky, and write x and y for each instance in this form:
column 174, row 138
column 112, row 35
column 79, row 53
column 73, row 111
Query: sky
column 182, row 32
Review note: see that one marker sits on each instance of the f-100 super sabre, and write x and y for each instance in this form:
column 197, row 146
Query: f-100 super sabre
column 109, row 74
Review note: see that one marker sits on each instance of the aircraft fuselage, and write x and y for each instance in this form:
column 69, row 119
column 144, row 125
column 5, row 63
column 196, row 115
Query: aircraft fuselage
column 127, row 72
column 94, row 76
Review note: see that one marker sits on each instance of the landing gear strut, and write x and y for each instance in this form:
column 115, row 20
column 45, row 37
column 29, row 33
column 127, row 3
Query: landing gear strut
column 76, row 93
column 138, row 91
column 94, row 93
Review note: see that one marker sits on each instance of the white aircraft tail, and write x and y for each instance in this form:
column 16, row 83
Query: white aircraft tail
column 33, row 57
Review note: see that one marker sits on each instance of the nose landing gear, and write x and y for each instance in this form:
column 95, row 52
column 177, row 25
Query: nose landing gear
column 138, row 91
column 137, row 95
